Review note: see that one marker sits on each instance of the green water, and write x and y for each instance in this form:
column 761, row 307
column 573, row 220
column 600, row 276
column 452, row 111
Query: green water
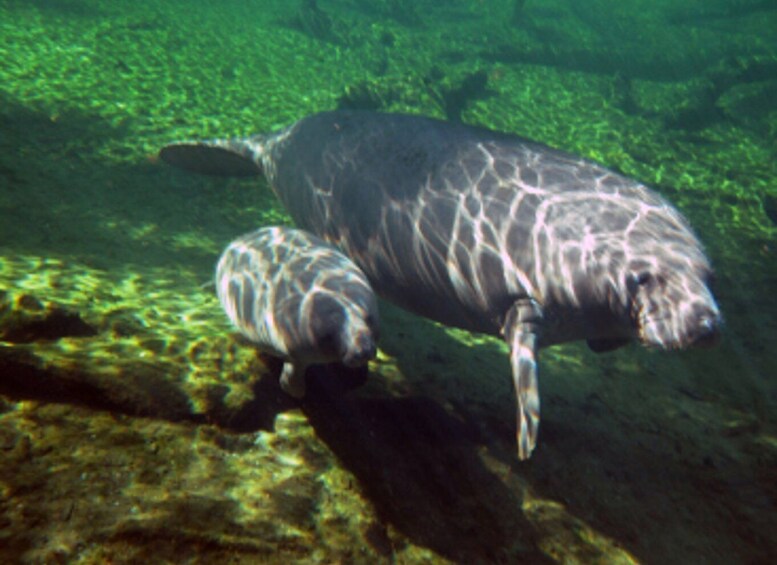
column 135, row 425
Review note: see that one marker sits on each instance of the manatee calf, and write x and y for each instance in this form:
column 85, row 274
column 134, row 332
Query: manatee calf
column 486, row 231
column 298, row 298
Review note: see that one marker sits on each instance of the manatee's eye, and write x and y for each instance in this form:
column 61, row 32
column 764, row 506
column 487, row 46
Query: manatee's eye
column 636, row 280
column 644, row 278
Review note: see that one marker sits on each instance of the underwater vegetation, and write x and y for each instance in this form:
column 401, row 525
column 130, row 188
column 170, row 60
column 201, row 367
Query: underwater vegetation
column 136, row 424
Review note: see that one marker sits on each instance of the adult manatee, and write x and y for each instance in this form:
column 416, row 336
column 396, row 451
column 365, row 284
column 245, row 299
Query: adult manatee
column 486, row 231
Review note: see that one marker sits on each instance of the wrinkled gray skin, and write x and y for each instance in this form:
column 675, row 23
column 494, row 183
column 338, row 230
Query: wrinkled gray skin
column 298, row 298
column 486, row 231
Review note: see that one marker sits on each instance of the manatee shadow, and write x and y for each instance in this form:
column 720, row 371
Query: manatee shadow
column 260, row 412
column 105, row 213
column 442, row 353
column 663, row 499
column 420, row 468
column 630, row 481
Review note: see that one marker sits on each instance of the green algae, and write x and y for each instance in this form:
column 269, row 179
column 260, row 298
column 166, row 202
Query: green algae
column 135, row 425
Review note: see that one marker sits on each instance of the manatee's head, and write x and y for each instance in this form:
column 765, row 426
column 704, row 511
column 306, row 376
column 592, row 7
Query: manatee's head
column 631, row 263
column 358, row 338
column 657, row 268
column 359, row 348
column 345, row 325
column 672, row 307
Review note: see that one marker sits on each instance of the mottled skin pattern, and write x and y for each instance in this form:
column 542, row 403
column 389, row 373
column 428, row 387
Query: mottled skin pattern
column 486, row 231
column 298, row 298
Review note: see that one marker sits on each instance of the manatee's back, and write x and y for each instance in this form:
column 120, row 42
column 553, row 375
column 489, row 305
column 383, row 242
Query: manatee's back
column 357, row 162
column 386, row 188
column 430, row 210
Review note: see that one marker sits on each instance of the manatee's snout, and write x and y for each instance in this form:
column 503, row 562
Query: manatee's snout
column 704, row 329
column 360, row 350
column 358, row 341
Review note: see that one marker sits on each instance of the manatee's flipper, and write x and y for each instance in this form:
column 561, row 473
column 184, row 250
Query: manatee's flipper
column 227, row 157
column 293, row 379
column 605, row 345
column 521, row 329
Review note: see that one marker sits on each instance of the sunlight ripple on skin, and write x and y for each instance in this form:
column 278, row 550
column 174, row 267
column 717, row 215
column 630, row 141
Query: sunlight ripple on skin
column 487, row 232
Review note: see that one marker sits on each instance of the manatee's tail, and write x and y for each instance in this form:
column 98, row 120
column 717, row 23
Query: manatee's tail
column 221, row 157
